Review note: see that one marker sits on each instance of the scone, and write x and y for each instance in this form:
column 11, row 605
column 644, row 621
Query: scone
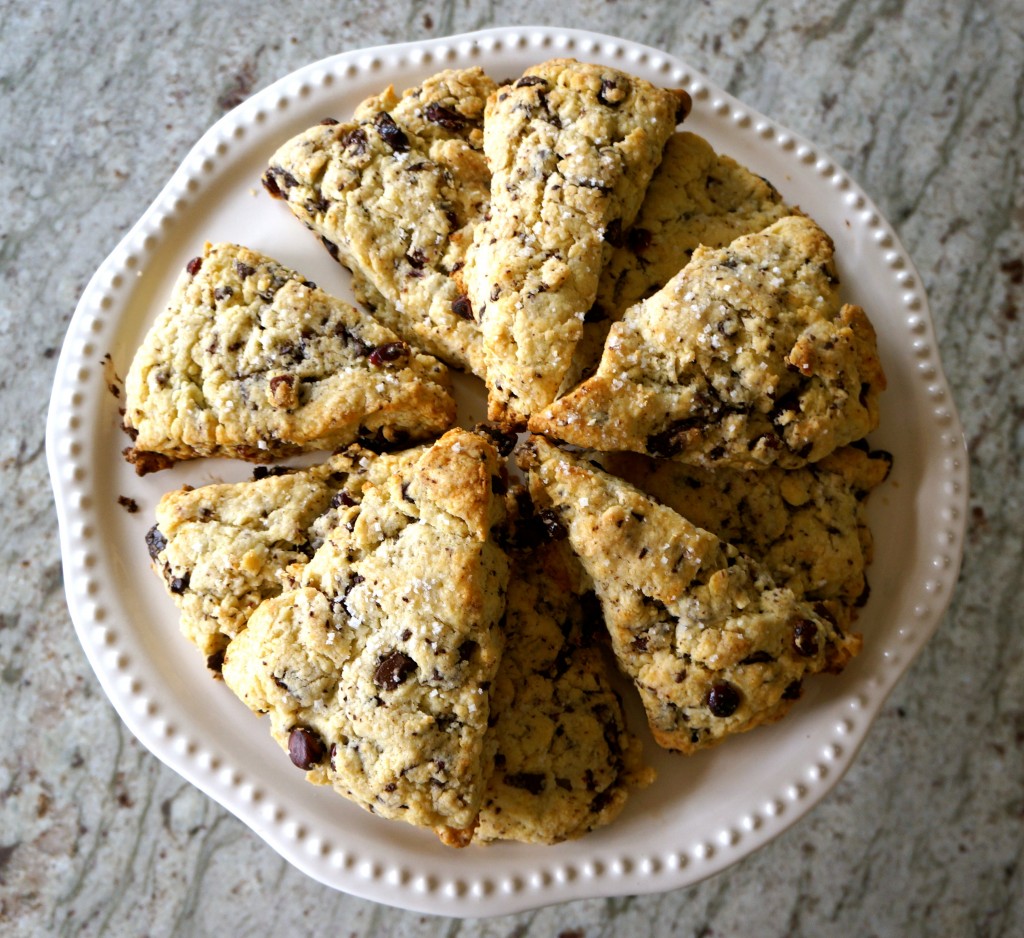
column 696, row 196
column 394, row 194
column 377, row 670
column 713, row 646
column 745, row 358
column 807, row 527
column 571, row 148
column 222, row 549
column 565, row 762
column 250, row 360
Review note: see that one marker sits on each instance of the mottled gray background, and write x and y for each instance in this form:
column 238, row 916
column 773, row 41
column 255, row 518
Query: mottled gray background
column 920, row 100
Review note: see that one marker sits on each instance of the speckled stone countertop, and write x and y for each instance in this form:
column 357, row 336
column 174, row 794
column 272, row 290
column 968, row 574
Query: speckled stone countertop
column 920, row 100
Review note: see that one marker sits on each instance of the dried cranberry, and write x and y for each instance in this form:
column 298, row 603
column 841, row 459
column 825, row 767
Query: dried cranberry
column 416, row 259
column 193, row 266
column 328, row 122
column 393, row 670
column 722, row 699
column 389, row 354
column 305, row 747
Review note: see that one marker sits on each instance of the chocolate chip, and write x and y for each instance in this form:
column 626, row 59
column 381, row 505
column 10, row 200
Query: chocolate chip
column 328, row 122
column 416, row 259
column 533, row 782
column 758, row 657
column 179, row 584
column 503, row 442
column 448, row 118
column 244, row 270
column 305, row 748
column 613, row 233
column 611, row 94
column 343, row 499
column 467, row 649
column 805, row 638
column 528, row 80
column 389, row 354
column 222, row 293
column 462, row 307
column 355, row 140
column 552, row 525
column 638, row 240
column 215, row 662
column 793, row 691
column 265, row 472
column 722, row 699
column 155, row 541
column 390, row 132
column 193, row 266
column 393, row 670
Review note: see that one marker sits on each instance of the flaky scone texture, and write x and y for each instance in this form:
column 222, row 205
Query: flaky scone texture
column 745, row 358
column 713, row 646
column 571, row 148
column 377, row 670
column 394, row 194
column 250, row 360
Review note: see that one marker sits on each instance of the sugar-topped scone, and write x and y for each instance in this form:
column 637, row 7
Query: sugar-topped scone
column 747, row 357
column 565, row 761
column 377, row 670
column 571, row 148
column 222, row 549
column 696, row 196
column 251, row 360
column 807, row 526
column 394, row 194
column 712, row 644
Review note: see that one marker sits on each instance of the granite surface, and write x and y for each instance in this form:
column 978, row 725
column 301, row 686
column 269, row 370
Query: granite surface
column 920, row 100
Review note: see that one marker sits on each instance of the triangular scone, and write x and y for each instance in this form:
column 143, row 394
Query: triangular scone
column 807, row 527
column 377, row 670
column 696, row 196
column 394, row 194
column 712, row 644
column 252, row 361
column 571, row 149
column 745, row 358
column 222, row 549
column 565, row 761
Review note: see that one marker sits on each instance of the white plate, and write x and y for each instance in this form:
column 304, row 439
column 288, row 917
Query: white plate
column 704, row 812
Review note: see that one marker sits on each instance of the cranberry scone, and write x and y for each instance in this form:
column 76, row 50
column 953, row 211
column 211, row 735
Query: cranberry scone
column 377, row 669
column 713, row 646
column 251, row 360
column 394, row 195
column 571, row 148
column 746, row 358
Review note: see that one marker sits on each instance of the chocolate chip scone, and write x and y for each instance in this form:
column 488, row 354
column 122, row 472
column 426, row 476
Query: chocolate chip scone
column 571, row 148
column 394, row 194
column 712, row 644
column 696, row 196
column 377, row 670
column 251, row 360
column 746, row 358
column 807, row 527
column 565, row 761
column 222, row 549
